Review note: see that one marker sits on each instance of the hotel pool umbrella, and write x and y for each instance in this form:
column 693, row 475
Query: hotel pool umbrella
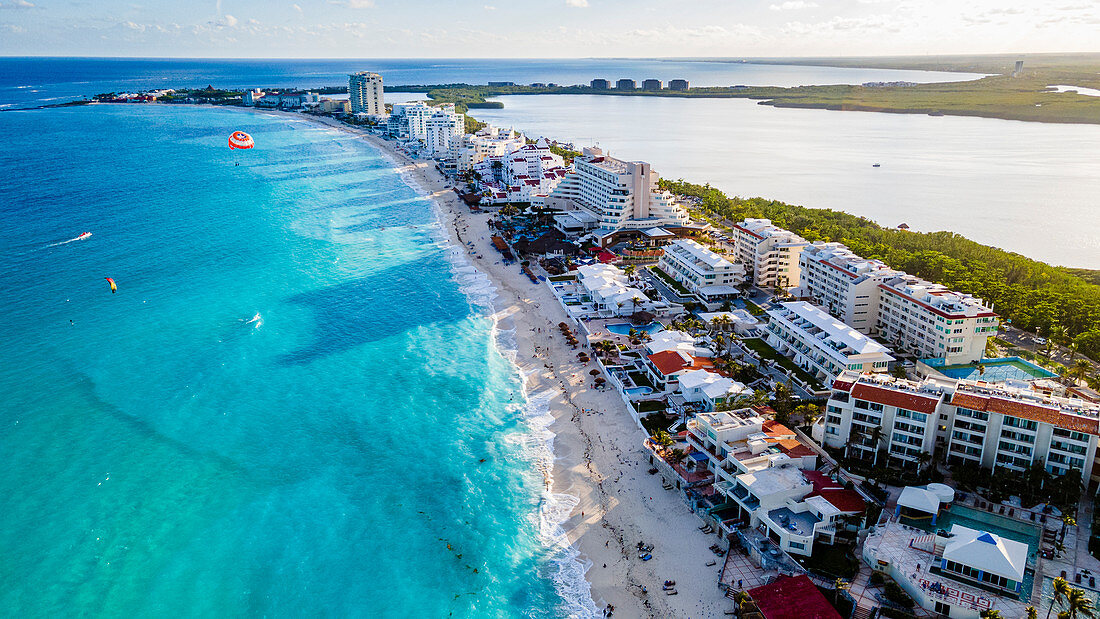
column 594, row 372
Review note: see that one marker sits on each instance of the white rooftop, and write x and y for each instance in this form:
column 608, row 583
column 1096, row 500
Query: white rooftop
column 772, row 480
column 697, row 253
column 817, row 323
column 736, row 316
column 919, row 499
column 987, row 552
column 710, row 383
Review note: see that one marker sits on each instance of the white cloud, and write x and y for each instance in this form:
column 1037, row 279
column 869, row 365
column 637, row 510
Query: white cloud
column 793, row 5
column 580, row 4
column 18, row 4
column 229, row 20
column 489, row 7
column 297, row 8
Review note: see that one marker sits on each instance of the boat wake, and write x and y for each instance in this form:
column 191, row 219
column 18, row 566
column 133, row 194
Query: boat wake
column 83, row 236
column 256, row 321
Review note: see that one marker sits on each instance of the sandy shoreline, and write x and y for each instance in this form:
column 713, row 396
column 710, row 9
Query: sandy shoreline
column 598, row 455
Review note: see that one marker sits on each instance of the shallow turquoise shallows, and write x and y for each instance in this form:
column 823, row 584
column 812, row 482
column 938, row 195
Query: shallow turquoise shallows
column 287, row 409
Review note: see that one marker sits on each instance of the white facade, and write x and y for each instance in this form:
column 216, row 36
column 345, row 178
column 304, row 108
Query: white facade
column 410, row 120
column 622, row 194
column 769, row 251
column 913, row 314
column 443, row 133
column 821, row 344
column 521, row 175
column 709, row 388
column 695, row 266
column 988, row 425
column 488, row 142
column 611, row 292
column 365, row 93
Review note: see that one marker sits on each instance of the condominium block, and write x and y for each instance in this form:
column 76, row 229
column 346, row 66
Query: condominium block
column 678, row 85
column 912, row 314
column 651, row 84
column 972, row 422
column 600, row 84
column 366, row 94
column 699, row 268
column 821, row 344
column 770, row 252
column 622, row 194
column 443, row 133
column 626, row 84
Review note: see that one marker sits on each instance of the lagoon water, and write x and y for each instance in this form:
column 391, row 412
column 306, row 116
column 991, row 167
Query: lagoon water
column 1032, row 188
column 255, row 424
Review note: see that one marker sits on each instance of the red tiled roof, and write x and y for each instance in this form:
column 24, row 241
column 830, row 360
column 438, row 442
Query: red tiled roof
column 843, row 385
column 772, row 426
column 669, row 362
column 792, row 598
column 793, row 448
column 848, row 501
column 890, row 397
column 1024, row 410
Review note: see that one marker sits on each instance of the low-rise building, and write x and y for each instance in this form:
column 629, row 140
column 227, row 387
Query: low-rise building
column 626, row 84
column 651, row 84
column 700, row 269
column 677, row 84
column 821, row 344
column 612, row 294
column 600, row 84
column 488, row 142
column 971, row 422
column 769, row 252
column 791, row 597
column 958, row 574
column 710, row 389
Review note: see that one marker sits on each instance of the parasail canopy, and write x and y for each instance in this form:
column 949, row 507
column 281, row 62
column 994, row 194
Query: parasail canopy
column 110, row 281
column 240, row 139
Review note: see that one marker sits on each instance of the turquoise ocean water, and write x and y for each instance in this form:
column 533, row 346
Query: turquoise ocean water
column 284, row 410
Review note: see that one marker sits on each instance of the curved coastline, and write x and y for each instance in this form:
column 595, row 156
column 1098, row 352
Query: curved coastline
column 598, row 502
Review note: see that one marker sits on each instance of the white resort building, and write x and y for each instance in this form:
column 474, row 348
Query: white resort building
column 611, row 292
column 821, row 344
column 365, row 93
column 971, row 422
column 410, row 120
column 489, row 141
column 915, row 315
column 622, row 194
column 701, row 270
column 710, row 389
column 522, row 175
column 443, row 133
column 769, row 252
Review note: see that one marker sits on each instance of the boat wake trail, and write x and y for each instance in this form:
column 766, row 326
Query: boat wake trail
column 83, row 236
column 257, row 321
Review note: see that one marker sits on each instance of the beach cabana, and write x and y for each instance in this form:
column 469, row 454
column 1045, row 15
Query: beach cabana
column 919, row 503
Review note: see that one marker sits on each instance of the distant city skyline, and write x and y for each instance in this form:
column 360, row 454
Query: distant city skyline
column 542, row 28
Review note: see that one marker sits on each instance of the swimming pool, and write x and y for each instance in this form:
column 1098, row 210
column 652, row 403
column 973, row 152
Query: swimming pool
column 983, row 521
column 996, row 370
column 623, row 328
column 639, row 391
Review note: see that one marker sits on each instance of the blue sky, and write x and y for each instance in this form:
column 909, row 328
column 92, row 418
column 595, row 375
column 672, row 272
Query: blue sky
column 542, row 28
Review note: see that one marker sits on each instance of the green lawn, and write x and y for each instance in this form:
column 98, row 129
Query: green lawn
column 753, row 308
column 641, row 379
column 765, row 351
column 675, row 285
column 562, row 278
column 653, row 423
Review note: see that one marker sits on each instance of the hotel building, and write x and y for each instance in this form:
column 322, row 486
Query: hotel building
column 622, row 194
column 769, row 251
column 365, row 93
column 443, row 133
column 700, row 269
column 914, row 315
column 970, row 422
column 488, row 142
column 821, row 344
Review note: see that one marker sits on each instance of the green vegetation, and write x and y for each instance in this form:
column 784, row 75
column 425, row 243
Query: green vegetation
column 473, row 125
column 675, row 285
column 753, row 308
column 1025, row 97
column 1035, row 296
column 765, row 351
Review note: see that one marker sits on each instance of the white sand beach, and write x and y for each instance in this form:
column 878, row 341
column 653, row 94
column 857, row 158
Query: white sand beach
column 598, row 455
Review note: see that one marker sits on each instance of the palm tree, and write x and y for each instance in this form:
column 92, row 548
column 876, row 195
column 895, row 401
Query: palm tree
column 1080, row 370
column 1061, row 592
column 1067, row 521
column 1032, row 613
column 839, row 585
column 991, row 614
column 1079, row 604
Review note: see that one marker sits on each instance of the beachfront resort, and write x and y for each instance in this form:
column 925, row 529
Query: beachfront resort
column 848, row 435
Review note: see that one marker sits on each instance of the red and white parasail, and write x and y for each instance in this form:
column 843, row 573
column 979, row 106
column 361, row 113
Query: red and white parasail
column 240, row 139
